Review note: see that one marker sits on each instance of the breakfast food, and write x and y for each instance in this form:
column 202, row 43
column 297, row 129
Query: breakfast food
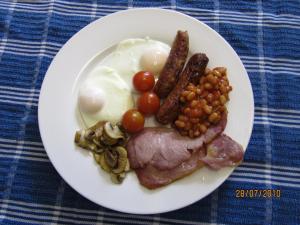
column 165, row 130
column 174, row 65
column 106, row 141
column 93, row 99
column 133, row 121
column 203, row 102
column 161, row 155
column 229, row 153
column 148, row 103
column 143, row 81
column 169, row 110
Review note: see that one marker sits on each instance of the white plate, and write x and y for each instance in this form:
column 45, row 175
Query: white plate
column 58, row 121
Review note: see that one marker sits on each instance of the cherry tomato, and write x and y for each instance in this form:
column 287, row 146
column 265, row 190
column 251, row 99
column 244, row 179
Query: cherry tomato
column 143, row 81
column 133, row 121
column 148, row 103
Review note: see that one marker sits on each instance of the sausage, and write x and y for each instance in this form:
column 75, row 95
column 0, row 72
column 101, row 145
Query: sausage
column 174, row 65
column 194, row 69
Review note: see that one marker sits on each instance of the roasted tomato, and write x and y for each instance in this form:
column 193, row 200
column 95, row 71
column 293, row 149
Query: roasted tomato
column 148, row 103
column 143, row 81
column 133, row 121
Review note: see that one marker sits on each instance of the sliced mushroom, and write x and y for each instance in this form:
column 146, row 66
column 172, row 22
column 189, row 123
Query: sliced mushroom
column 111, row 158
column 111, row 134
column 122, row 159
column 103, row 164
column 82, row 142
column 98, row 129
column 127, row 167
column 97, row 157
column 117, row 178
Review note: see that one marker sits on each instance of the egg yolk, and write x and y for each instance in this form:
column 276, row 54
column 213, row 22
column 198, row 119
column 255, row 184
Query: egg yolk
column 153, row 60
column 91, row 99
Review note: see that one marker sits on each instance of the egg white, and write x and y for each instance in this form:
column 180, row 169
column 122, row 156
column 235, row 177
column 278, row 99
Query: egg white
column 126, row 58
column 117, row 96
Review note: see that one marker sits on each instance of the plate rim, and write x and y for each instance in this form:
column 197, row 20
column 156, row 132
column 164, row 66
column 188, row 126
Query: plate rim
column 46, row 78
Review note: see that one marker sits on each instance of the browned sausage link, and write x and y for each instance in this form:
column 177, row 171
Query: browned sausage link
column 174, row 65
column 169, row 110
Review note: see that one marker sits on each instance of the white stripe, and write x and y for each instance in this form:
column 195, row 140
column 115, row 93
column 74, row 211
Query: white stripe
column 29, row 46
column 276, row 124
column 25, row 142
column 29, row 148
column 24, row 50
column 266, row 176
column 89, row 5
column 284, row 60
column 263, row 182
column 17, row 98
column 257, row 170
column 275, row 64
column 14, row 52
column 277, row 115
column 274, row 72
column 11, row 93
column 274, row 68
column 18, row 103
column 267, row 132
column 35, row 159
column 295, row 122
column 59, row 198
column 94, row 9
column 17, row 89
column 13, row 218
column 278, row 110
column 271, row 166
column 23, row 153
column 15, row 93
column 55, row 46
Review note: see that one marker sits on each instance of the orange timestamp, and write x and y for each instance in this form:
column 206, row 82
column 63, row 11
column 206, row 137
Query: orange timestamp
column 257, row 193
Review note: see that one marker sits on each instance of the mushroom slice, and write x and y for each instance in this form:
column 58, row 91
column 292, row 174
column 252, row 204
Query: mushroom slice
column 127, row 167
column 111, row 158
column 111, row 134
column 97, row 157
column 82, row 142
column 103, row 164
column 117, row 178
column 122, row 159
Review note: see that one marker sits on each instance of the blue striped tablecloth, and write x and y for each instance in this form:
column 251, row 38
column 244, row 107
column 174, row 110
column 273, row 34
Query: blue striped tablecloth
column 265, row 34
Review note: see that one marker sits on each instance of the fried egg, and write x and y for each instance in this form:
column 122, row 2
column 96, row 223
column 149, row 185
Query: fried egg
column 107, row 92
column 104, row 96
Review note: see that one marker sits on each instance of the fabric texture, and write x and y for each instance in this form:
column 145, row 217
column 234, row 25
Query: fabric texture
column 266, row 36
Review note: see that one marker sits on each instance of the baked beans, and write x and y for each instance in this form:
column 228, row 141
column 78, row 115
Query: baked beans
column 203, row 103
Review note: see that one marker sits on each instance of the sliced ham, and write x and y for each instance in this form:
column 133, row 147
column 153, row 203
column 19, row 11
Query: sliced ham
column 222, row 152
column 165, row 148
column 160, row 156
column 152, row 177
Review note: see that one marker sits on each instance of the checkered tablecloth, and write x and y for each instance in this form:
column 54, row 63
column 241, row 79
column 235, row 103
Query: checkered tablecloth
column 265, row 34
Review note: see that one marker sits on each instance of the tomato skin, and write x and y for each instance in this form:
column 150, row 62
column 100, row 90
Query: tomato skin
column 148, row 103
column 133, row 121
column 143, row 81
